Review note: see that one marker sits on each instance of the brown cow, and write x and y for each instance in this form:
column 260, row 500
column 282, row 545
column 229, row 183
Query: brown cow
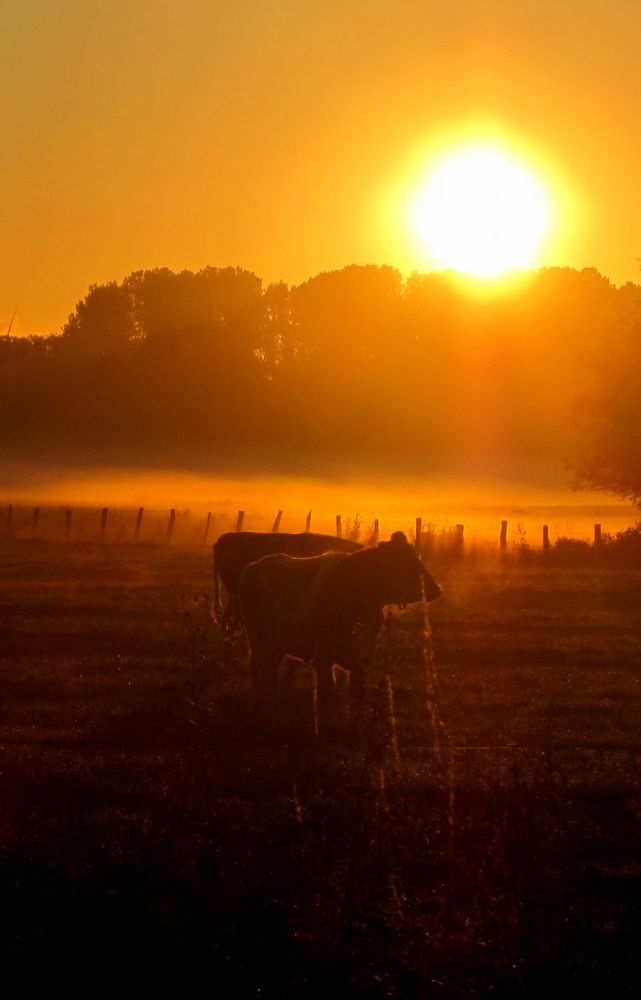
column 328, row 609
column 236, row 549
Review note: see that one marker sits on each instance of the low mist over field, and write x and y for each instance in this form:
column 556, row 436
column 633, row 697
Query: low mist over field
column 479, row 505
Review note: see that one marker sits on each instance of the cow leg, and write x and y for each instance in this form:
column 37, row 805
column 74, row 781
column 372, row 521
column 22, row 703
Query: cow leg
column 290, row 669
column 227, row 628
column 233, row 609
column 357, row 684
column 361, row 658
column 264, row 672
column 325, row 691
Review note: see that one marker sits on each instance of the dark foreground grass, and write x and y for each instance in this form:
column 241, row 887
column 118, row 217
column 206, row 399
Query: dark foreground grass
column 152, row 840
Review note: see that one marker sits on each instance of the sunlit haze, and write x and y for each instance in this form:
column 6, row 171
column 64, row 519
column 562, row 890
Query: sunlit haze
column 287, row 138
column 320, row 497
column 352, row 242
column 441, row 503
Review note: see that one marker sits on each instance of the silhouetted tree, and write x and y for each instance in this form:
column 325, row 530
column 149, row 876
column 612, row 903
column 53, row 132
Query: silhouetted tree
column 103, row 323
column 279, row 345
column 610, row 455
column 352, row 368
column 161, row 299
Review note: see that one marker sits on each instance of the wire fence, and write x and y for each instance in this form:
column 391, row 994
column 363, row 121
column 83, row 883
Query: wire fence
column 122, row 525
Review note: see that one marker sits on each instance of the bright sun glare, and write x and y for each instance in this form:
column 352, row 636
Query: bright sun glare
column 482, row 213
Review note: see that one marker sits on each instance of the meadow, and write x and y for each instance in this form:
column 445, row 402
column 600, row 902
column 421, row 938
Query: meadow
column 476, row 832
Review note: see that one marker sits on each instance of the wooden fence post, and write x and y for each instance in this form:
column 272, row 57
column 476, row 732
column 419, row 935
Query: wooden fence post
column 141, row 511
column 597, row 535
column 419, row 531
column 67, row 523
column 170, row 525
column 339, row 526
column 34, row 520
column 376, row 532
column 276, row 524
column 503, row 539
column 308, row 522
column 459, row 537
column 206, row 532
column 239, row 520
column 103, row 522
column 546, row 538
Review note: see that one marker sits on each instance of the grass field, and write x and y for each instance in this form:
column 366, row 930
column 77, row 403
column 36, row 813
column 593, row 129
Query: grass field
column 478, row 833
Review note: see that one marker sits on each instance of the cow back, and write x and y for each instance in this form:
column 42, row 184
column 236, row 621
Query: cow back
column 237, row 549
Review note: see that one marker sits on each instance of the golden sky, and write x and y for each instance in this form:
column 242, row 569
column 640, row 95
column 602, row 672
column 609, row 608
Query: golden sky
column 285, row 135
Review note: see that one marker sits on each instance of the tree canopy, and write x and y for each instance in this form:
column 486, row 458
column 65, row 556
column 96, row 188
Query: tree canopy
column 353, row 369
column 609, row 455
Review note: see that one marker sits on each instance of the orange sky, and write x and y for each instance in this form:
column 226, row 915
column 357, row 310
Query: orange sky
column 281, row 135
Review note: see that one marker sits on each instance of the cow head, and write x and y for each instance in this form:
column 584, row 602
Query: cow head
column 406, row 579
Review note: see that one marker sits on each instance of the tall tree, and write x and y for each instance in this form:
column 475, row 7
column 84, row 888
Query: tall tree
column 102, row 324
column 610, row 454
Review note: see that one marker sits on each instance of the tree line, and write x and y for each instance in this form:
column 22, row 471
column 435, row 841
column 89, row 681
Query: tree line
column 352, row 370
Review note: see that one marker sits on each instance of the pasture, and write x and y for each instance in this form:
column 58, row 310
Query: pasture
column 477, row 833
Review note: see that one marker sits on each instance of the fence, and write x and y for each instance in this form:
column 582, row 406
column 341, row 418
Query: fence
column 120, row 525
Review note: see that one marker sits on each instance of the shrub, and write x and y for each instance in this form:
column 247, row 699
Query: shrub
column 572, row 550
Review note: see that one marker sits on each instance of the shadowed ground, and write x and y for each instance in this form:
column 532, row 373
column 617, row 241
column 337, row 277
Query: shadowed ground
column 149, row 838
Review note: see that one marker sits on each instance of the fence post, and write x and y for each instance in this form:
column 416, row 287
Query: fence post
column 34, row 520
column 206, row 532
column 546, row 538
column 503, row 539
column 141, row 511
column 339, row 526
column 276, row 524
column 597, row 534
column 170, row 525
column 459, row 538
column 67, row 523
column 103, row 521
column 419, row 531
column 376, row 532
column 239, row 520
column 308, row 522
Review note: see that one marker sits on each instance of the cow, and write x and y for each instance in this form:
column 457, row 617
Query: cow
column 236, row 549
column 327, row 609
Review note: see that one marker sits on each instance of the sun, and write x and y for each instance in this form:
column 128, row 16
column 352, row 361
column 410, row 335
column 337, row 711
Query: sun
column 481, row 212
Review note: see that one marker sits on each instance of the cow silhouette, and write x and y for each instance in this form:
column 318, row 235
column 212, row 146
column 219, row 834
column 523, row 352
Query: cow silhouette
column 327, row 609
column 236, row 549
